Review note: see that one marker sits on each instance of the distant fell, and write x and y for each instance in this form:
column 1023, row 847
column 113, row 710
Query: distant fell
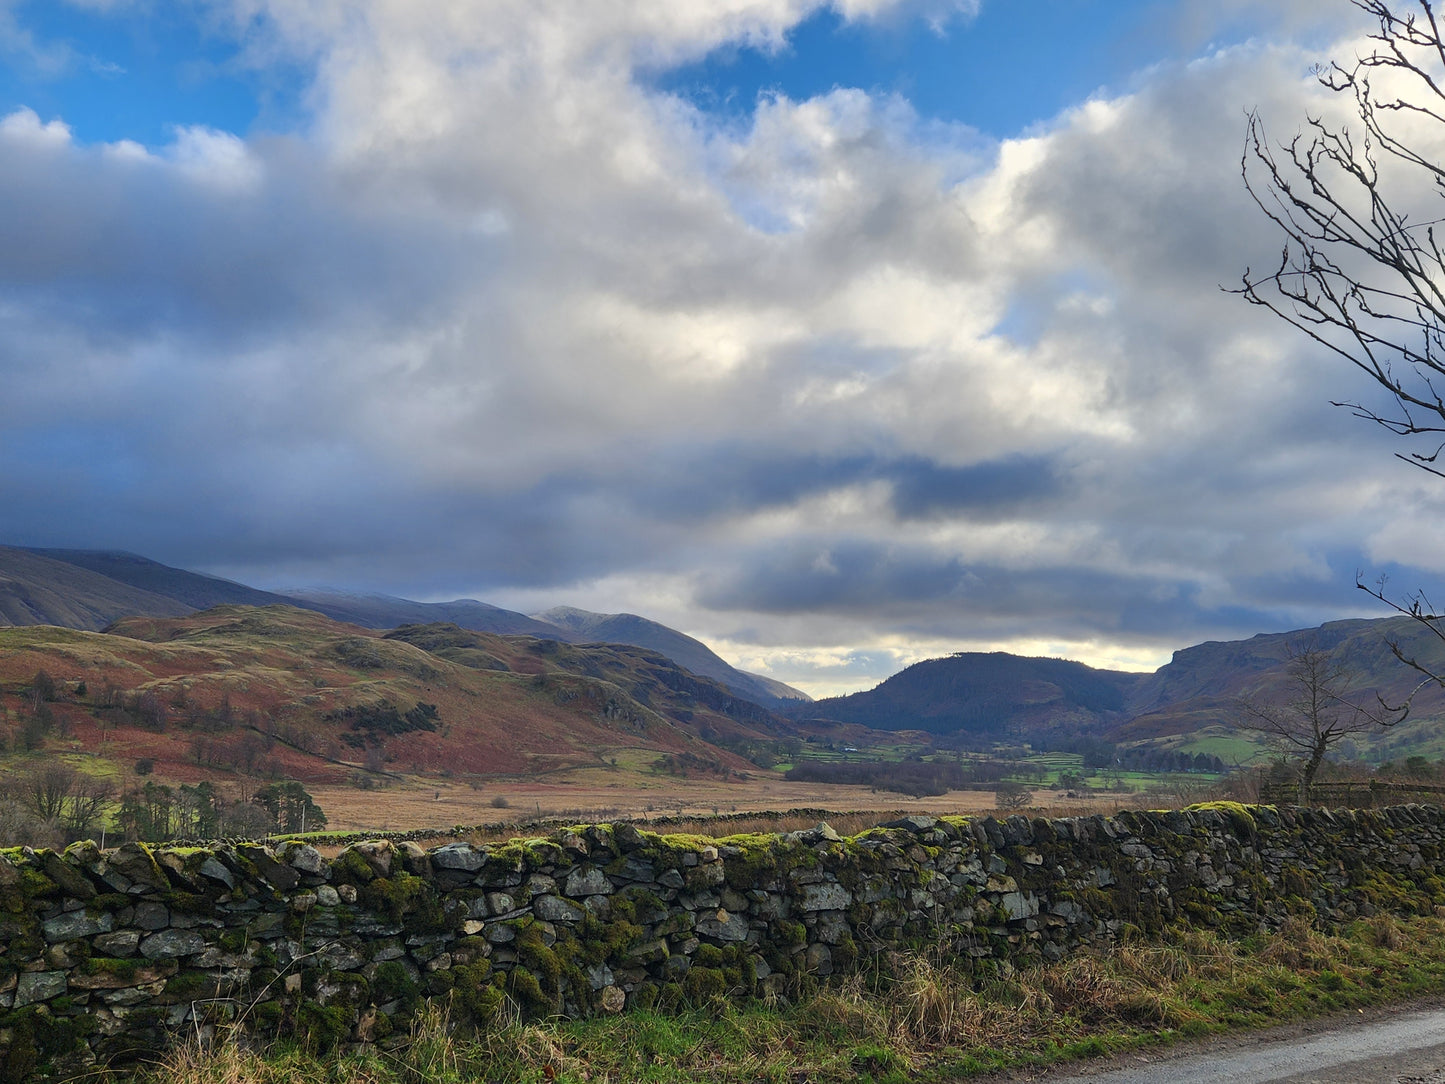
column 1201, row 685
column 278, row 691
column 39, row 590
column 374, row 611
column 987, row 695
column 193, row 589
column 90, row 589
column 624, row 628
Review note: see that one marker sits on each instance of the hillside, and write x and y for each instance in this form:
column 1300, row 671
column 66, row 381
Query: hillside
column 191, row 589
column 1190, row 704
column 583, row 625
column 386, row 612
column 88, row 589
column 699, row 704
column 284, row 692
column 988, row 695
column 40, row 590
column 1199, row 686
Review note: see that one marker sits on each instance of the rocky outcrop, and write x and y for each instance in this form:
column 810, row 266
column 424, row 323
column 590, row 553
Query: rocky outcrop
column 110, row 953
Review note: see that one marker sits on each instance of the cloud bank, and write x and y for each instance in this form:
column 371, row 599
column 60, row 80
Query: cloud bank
column 835, row 386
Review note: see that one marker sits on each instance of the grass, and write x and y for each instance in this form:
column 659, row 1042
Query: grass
column 916, row 1018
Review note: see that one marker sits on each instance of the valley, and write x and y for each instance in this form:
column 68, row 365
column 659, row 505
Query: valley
column 568, row 714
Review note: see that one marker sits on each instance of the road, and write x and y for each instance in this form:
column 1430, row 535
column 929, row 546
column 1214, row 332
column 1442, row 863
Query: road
column 1401, row 1047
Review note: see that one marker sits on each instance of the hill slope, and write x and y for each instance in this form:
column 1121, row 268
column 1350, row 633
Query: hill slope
column 1190, row 703
column 987, row 695
column 192, row 589
column 1200, row 685
column 583, row 625
column 386, row 612
column 88, row 589
column 39, row 590
column 280, row 691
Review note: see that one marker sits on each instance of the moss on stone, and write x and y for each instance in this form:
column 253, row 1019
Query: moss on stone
column 476, row 991
column 528, row 993
column 703, row 984
column 188, row 986
column 320, row 1028
column 350, row 867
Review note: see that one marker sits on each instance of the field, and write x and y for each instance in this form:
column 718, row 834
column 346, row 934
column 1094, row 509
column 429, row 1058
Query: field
column 600, row 795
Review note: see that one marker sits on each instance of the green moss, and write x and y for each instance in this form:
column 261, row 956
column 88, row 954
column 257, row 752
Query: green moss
column 102, row 965
column 523, row 855
column 266, row 1016
column 643, row 997
column 392, row 982
column 476, row 992
column 34, row 884
column 189, row 985
column 528, row 993
column 320, row 1027
column 1293, row 882
column 189, row 903
column 600, row 941
column 409, row 900
column 36, row 1038
column 703, row 984
column 759, row 856
column 349, row 866
column 1240, row 818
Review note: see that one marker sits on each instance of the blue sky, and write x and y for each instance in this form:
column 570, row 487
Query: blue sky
column 897, row 335
column 136, row 71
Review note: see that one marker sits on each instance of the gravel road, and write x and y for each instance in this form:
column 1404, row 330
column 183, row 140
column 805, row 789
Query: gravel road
column 1400, row 1047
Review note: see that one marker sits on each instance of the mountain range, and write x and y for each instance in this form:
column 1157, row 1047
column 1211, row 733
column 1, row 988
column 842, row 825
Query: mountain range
column 285, row 692
column 90, row 589
column 972, row 696
column 1187, row 703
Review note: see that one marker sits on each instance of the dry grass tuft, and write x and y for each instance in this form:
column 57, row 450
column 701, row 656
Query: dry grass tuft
column 1299, row 946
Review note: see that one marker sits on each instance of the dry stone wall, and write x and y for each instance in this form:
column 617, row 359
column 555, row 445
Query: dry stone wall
column 109, row 954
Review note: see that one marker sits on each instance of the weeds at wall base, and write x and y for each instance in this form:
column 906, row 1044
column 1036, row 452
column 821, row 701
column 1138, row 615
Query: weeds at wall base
column 916, row 1019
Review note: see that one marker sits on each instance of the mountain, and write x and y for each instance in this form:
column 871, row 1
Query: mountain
column 88, row 589
column 1200, row 685
column 39, row 590
column 1190, row 703
column 648, row 678
column 386, row 612
column 190, row 589
column 583, row 625
column 986, row 695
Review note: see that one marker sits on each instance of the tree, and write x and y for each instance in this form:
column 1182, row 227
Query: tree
column 290, row 806
column 1362, row 270
column 1319, row 712
column 1011, row 795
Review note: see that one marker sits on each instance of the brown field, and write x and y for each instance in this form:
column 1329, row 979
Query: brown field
column 590, row 796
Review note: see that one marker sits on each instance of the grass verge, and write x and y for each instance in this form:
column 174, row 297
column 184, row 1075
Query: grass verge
column 915, row 1018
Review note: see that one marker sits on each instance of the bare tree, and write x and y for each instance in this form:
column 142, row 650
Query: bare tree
column 89, row 798
column 1322, row 710
column 62, row 797
column 1362, row 270
column 44, row 791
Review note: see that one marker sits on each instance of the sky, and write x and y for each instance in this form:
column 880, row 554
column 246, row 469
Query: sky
column 838, row 333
